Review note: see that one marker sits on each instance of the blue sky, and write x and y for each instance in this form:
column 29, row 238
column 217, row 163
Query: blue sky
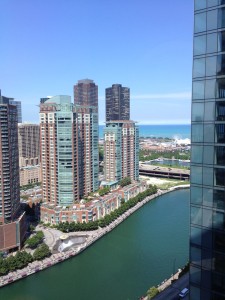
column 48, row 45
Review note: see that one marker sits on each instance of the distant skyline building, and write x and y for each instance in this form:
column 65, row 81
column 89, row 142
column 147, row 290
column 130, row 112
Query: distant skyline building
column 12, row 221
column 29, row 144
column 117, row 103
column 86, row 107
column 86, row 93
column 207, row 228
column 121, row 150
column 7, row 100
column 42, row 100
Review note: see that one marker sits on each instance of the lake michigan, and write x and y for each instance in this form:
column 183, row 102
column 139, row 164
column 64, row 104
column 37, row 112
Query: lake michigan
column 170, row 131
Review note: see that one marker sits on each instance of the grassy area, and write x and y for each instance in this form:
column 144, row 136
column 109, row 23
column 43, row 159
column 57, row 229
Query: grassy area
column 164, row 183
column 171, row 183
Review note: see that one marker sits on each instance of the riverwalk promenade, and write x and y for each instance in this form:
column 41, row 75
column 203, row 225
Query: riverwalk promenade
column 92, row 237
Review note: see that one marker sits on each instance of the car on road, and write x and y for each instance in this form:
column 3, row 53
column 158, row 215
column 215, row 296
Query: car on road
column 183, row 293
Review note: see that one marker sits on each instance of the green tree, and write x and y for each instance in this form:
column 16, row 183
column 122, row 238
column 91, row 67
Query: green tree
column 35, row 240
column 41, row 252
column 125, row 181
column 4, row 267
column 104, row 191
column 23, row 259
column 152, row 292
column 32, row 228
column 12, row 263
column 101, row 153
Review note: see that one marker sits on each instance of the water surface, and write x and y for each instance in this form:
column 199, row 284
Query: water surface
column 138, row 254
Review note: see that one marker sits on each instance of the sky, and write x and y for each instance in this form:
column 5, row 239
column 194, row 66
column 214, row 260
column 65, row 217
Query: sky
column 146, row 45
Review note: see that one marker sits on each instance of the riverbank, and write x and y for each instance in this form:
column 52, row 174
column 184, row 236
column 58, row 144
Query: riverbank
column 59, row 257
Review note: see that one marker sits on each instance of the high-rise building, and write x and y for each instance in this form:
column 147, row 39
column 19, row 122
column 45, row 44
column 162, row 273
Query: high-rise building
column 86, row 106
column 86, row 93
column 207, row 232
column 87, row 123
column 121, row 150
column 59, row 151
column 7, row 100
column 29, row 144
column 12, row 222
column 19, row 110
column 42, row 100
column 117, row 103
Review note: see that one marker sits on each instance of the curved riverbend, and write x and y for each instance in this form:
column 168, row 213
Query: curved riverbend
column 122, row 265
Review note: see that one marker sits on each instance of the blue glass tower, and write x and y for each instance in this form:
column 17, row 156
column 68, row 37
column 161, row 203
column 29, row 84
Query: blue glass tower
column 207, row 232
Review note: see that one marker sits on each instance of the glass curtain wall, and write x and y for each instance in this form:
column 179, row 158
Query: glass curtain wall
column 207, row 232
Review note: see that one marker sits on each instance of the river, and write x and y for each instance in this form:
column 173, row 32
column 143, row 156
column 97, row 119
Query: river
column 141, row 252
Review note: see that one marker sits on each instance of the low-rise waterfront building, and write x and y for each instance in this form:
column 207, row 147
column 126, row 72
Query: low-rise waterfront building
column 92, row 210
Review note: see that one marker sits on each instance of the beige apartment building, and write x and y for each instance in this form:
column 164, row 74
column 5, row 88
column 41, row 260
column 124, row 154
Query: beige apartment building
column 30, row 175
column 121, row 150
column 29, row 144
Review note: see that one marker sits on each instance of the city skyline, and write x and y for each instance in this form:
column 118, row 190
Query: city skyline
column 51, row 55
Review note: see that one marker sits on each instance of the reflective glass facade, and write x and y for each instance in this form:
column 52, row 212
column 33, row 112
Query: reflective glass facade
column 207, row 215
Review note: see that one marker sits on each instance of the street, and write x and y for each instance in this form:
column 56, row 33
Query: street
column 172, row 292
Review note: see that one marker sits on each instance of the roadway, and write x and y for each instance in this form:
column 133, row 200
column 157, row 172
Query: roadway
column 172, row 292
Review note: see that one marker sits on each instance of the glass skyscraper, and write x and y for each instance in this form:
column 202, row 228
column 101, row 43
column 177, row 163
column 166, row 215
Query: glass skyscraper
column 207, row 233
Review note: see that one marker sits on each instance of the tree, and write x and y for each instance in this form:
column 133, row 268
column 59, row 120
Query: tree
column 152, row 292
column 101, row 153
column 125, row 181
column 12, row 264
column 32, row 228
column 104, row 191
column 41, row 252
column 4, row 268
column 122, row 201
column 35, row 240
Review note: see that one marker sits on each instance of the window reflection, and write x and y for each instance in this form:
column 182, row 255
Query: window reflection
column 197, row 112
column 220, row 155
column 212, row 19
column 199, row 67
column 219, row 241
column 200, row 4
column 220, row 111
column 218, row 220
column 197, row 133
column 212, row 43
column 221, row 17
column 220, row 177
column 219, row 200
column 199, row 44
column 200, row 22
column 221, row 65
column 221, row 42
column 221, row 88
column 198, row 89
column 220, row 133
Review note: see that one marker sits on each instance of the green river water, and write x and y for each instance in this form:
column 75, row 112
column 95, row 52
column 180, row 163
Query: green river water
column 139, row 253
